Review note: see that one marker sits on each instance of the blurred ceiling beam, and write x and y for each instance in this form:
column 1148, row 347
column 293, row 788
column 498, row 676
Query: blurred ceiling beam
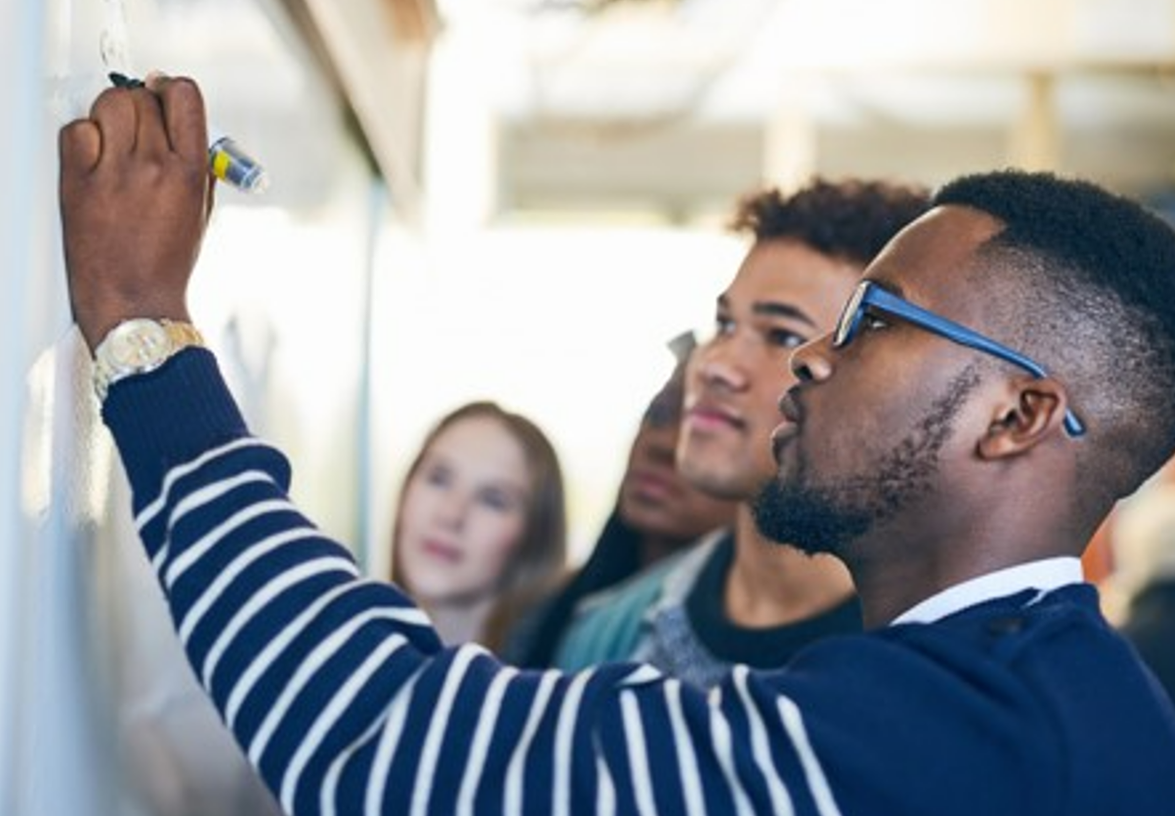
column 414, row 21
column 1036, row 137
column 378, row 51
column 597, row 103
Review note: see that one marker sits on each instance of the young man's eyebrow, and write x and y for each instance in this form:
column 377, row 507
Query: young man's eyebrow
column 772, row 308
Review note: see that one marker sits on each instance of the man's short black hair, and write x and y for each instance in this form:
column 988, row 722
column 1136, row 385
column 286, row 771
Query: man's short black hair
column 1092, row 295
column 850, row 220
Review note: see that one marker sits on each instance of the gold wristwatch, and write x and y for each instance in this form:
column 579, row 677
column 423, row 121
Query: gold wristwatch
column 137, row 346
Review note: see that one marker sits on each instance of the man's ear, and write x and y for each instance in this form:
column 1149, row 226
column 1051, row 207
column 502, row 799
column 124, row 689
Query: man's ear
column 1033, row 411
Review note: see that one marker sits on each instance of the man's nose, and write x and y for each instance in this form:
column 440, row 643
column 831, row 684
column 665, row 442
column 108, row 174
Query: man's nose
column 813, row 360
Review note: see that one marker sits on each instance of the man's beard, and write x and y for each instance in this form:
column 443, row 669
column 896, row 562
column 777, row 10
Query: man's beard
column 829, row 518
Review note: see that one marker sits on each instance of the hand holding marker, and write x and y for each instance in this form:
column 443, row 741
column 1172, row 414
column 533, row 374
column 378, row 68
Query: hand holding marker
column 226, row 159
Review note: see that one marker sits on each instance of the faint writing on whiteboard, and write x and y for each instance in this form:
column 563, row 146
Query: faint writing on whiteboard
column 113, row 42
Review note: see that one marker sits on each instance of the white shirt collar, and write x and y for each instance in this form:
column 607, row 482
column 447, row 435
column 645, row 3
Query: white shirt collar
column 1044, row 575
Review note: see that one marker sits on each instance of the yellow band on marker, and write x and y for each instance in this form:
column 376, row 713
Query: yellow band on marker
column 220, row 163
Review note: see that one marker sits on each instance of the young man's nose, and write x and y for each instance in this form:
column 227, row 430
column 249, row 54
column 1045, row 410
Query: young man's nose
column 721, row 363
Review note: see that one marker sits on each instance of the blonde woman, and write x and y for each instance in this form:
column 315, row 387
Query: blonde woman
column 480, row 527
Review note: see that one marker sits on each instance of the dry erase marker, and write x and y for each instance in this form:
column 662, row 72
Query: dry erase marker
column 226, row 159
column 232, row 164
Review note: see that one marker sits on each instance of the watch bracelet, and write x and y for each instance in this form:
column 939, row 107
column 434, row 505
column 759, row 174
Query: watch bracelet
column 180, row 335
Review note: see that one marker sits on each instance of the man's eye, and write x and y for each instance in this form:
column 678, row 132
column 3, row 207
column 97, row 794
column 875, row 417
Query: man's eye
column 723, row 325
column 873, row 322
column 784, row 338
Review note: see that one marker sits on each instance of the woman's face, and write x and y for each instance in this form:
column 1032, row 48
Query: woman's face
column 464, row 513
column 655, row 498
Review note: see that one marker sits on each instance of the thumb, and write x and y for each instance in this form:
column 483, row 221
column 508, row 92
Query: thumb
column 79, row 146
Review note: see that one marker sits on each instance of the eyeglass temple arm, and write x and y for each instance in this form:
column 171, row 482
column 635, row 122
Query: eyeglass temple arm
column 965, row 337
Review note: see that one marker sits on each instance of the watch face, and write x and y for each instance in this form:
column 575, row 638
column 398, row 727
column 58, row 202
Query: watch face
column 138, row 344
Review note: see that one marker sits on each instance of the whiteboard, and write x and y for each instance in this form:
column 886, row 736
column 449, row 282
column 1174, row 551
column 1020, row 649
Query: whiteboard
column 99, row 711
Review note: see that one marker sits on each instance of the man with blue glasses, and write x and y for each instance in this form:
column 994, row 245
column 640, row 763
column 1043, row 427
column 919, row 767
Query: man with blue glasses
column 958, row 473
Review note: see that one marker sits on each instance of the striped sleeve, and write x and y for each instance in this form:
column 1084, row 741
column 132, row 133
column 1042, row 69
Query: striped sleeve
column 342, row 695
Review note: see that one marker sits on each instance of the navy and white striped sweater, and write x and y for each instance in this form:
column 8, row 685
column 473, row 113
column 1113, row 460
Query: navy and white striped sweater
column 342, row 695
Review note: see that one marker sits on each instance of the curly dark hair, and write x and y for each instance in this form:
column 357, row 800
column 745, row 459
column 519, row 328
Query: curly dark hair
column 851, row 219
column 1088, row 281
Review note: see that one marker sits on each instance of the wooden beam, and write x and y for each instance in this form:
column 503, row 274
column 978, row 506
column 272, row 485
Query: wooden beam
column 414, row 21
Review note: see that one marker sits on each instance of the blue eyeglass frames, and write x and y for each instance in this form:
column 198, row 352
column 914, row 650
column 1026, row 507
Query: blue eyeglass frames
column 869, row 295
